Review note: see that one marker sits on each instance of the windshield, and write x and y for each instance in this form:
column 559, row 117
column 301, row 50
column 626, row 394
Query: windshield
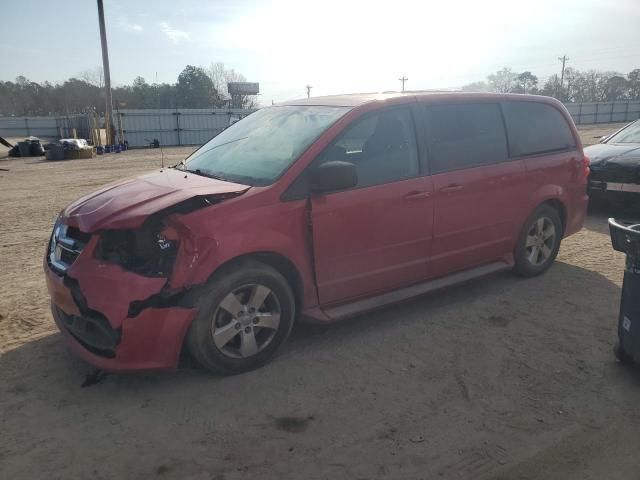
column 259, row 148
column 631, row 134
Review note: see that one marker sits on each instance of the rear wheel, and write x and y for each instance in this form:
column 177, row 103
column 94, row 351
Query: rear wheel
column 539, row 242
column 246, row 314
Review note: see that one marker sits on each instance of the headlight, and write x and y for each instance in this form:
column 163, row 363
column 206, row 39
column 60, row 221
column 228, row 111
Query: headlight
column 55, row 234
column 145, row 250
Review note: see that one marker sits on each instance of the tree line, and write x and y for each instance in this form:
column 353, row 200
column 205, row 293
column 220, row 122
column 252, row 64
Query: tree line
column 196, row 87
column 574, row 86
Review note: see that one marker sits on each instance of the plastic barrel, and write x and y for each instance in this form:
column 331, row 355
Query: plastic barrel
column 625, row 237
column 25, row 149
column 118, row 148
column 99, row 150
column 107, row 149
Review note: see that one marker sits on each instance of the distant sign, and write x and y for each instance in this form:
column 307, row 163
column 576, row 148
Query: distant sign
column 243, row 88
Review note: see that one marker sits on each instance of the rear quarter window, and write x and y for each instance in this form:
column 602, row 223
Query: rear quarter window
column 536, row 128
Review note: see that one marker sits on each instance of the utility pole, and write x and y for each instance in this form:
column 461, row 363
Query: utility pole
column 403, row 79
column 563, row 59
column 308, row 87
column 108, row 113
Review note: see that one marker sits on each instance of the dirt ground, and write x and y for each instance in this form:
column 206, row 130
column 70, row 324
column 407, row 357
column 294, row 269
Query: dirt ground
column 502, row 378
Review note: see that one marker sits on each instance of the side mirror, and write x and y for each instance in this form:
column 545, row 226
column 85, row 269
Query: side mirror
column 332, row 176
column 603, row 138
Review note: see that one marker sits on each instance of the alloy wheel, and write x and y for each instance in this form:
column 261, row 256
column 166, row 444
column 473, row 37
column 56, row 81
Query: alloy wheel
column 540, row 241
column 246, row 321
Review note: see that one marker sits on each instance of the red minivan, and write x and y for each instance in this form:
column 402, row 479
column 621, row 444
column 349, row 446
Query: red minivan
column 316, row 209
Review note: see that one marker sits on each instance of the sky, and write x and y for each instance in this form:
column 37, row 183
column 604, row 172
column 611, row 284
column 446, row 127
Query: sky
column 336, row 46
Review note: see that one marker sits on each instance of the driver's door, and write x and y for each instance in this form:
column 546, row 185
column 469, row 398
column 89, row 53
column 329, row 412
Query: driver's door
column 376, row 236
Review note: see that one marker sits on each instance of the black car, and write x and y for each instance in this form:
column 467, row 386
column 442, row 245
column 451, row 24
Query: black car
column 615, row 166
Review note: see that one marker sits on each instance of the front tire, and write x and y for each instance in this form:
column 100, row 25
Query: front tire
column 620, row 354
column 246, row 314
column 539, row 242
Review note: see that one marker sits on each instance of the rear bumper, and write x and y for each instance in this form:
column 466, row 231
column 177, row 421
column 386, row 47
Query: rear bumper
column 152, row 340
column 577, row 215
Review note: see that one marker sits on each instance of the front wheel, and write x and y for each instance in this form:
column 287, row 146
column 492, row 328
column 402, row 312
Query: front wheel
column 246, row 314
column 539, row 242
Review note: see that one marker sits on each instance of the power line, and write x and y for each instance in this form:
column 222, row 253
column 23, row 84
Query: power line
column 563, row 59
column 403, row 79
column 588, row 59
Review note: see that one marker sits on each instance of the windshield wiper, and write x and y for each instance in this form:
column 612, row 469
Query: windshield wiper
column 182, row 165
column 215, row 176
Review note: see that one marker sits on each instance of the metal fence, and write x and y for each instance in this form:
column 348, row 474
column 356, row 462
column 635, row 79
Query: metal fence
column 177, row 126
column 44, row 127
column 604, row 112
column 140, row 127
column 196, row 126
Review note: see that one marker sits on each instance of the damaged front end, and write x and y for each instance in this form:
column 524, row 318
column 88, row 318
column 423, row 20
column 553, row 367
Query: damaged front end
column 113, row 291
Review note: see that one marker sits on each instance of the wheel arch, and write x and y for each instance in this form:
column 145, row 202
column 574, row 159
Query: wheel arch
column 279, row 262
column 522, row 266
column 560, row 207
column 554, row 202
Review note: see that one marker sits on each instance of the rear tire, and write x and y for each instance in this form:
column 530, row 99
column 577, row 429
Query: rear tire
column 246, row 314
column 539, row 242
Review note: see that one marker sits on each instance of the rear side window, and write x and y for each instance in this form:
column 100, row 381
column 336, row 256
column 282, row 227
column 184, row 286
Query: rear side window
column 465, row 135
column 536, row 128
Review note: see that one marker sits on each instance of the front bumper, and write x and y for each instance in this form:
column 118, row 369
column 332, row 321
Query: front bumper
column 151, row 340
column 599, row 186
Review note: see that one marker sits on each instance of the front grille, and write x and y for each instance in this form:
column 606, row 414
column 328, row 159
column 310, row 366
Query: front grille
column 65, row 246
column 93, row 332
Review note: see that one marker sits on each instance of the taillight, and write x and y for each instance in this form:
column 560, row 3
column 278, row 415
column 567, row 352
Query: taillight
column 585, row 166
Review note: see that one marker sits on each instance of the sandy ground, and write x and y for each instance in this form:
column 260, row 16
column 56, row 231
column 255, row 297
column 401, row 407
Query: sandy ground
column 502, row 378
column 590, row 134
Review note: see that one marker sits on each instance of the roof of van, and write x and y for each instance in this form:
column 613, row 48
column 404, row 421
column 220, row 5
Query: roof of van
column 356, row 99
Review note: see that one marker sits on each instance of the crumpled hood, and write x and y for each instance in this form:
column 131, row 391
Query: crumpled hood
column 614, row 162
column 128, row 203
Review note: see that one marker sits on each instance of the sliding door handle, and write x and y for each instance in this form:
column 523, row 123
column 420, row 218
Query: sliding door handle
column 451, row 188
column 414, row 195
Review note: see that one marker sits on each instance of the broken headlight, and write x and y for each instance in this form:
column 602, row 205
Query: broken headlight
column 145, row 251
